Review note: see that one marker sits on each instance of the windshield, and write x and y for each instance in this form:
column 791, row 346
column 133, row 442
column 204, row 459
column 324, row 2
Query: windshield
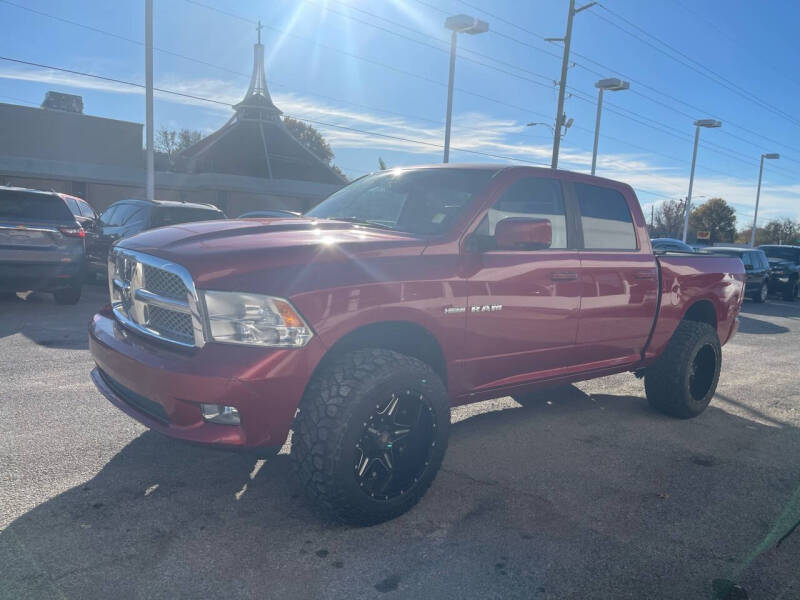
column 782, row 253
column 423, row 202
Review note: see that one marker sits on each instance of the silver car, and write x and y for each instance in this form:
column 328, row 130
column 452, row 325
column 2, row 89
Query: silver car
column 41, row 244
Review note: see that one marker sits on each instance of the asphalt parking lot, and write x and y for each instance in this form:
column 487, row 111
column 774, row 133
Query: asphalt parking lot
column 589, row 494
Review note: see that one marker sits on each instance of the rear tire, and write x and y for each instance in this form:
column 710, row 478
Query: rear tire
column 683, row 380
column 370, row 435
column 761, row 295
column 69, row 295
column 790, row 292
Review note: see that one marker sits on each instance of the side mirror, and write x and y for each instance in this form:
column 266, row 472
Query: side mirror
column 523, row 233
column 748, row 267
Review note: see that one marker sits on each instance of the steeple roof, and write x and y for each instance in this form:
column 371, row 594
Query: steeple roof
column 255, row 142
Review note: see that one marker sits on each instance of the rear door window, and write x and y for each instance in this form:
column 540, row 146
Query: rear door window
column 86, row 210
column 605, row 218
column 532, row 197
column 72, row 204
column 28, row 206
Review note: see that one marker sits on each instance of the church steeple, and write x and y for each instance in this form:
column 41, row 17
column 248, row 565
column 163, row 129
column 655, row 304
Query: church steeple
column 257, row 103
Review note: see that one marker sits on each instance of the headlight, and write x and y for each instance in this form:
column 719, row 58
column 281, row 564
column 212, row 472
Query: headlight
column 254, row 320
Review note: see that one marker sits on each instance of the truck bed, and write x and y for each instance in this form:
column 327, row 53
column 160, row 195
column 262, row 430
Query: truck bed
column 706, row 283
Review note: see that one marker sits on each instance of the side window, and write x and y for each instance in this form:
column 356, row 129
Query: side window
column 747, row 259
column 86, row 210
column 72, row 204
column 605, row 218
column 123, row 212
column 534, row 197
column 107, row 218
column 135, row 217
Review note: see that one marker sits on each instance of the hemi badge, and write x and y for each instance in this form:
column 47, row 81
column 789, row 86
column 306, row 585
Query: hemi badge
column 455, row 310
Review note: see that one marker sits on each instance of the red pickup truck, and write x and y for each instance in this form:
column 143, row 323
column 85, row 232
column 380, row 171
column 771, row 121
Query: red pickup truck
column 360, row 324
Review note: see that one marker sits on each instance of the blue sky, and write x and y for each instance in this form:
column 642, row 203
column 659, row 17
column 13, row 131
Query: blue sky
column 381, row 67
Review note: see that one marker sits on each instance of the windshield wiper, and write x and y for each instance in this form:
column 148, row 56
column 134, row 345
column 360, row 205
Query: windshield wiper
column 363, row 222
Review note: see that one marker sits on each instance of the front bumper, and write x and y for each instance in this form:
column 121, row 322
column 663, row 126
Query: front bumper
column 163, row 387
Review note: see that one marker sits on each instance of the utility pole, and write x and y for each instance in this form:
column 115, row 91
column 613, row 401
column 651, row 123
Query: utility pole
column 758, row 196
column 148, row 68
column 449, row 119
column 562, row 86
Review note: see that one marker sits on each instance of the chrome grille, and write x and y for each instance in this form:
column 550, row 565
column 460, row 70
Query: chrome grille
column 164, row 283
column 171, row 324
column 155, row 297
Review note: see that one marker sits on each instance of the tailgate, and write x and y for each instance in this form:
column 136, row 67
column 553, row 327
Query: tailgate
column 34, row 243
column 30, row 227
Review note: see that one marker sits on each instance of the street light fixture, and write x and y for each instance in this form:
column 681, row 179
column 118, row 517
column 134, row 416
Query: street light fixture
column 612, row 85
column 708, row 123
column 457, row 24
column 770, row 156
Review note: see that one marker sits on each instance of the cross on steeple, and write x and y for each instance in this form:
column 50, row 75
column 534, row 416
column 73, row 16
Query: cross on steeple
column 258, row 29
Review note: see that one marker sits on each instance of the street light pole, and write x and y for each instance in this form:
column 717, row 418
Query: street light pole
column 448, row 121
column 758, row 195
column 613, row 85
column 597, row 128
column 687, row 209
column 457, row 24
column 562, row 86
column 148, row 68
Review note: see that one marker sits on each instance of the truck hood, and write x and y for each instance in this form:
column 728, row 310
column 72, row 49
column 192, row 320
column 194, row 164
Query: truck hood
column 235, row 249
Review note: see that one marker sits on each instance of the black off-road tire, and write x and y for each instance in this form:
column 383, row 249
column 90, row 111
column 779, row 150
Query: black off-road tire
column 333, row 416
column 790, row 291
column 70, row 295
column 683, row 380
column 761, row 295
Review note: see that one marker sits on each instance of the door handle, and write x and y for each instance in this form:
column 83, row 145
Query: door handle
column 563, row 276
column 644, row 275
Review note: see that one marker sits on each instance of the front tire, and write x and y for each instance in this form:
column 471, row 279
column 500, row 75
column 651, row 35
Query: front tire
column 70, row 295
column 790, row 292
column 683, row 380
column 370, row 435
column 761, row 295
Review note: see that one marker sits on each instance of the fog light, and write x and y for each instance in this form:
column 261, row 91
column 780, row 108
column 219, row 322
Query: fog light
column 220, row 414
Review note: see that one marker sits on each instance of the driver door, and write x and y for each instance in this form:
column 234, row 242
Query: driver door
column 523, row 305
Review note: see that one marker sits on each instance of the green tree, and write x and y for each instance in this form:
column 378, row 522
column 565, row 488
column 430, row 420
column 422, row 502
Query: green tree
column 311, row 138
column 717, row 217
column 668, row 220
column 786, row 231
column 171, row 142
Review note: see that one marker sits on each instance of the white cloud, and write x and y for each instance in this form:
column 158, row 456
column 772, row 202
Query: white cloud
column 473, row 131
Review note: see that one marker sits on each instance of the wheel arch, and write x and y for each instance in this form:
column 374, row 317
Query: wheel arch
column 404, row 337
column 702, row 311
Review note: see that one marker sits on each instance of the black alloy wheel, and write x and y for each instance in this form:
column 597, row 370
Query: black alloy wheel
column 702, row 372
column 395, row 445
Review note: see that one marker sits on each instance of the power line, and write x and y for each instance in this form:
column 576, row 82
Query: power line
column 692, row 64
column 299, row 118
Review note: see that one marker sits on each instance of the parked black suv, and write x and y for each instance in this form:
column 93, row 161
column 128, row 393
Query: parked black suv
column 128, row 217
column 784, row 262
column 41, row 243
column 756, row 267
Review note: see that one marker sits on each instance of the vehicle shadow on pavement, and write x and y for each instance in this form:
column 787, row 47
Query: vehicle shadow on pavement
column 574, row 496
column 47, row 324
column 759, row 326
column 773, row 308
